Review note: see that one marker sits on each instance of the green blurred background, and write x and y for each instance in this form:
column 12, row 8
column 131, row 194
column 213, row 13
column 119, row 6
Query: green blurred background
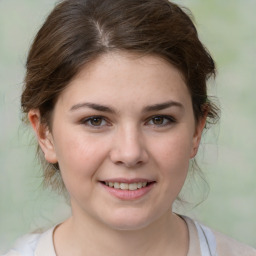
column 227, row 156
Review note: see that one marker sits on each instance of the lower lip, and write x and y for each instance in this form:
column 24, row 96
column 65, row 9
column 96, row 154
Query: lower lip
column 129, row 194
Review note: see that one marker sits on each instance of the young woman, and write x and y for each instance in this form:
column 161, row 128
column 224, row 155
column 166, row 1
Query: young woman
column 116, row 93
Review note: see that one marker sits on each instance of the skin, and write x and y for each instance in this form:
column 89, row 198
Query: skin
column 131, row 138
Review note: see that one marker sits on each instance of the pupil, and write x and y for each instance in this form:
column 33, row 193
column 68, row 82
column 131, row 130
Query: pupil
column 158, row 120
column 96, row 121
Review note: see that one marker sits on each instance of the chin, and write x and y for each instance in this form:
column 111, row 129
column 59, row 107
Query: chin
column 128, row 221
column 130, row 225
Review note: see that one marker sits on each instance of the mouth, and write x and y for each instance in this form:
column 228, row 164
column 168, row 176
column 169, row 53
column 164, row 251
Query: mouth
column 128, row 189
column 127, row 186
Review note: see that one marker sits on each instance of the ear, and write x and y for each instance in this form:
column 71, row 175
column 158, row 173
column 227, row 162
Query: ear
column 198, row 134
column 44, row 136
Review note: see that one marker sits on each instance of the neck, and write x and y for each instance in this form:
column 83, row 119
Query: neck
column 166, row 235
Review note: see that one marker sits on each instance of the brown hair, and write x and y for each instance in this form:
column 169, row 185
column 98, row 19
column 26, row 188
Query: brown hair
column 78, row 31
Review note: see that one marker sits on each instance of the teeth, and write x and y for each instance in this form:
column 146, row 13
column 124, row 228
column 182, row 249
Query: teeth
column 133, row 186
column 139, row 185
column 126, row 186
column 116, row 185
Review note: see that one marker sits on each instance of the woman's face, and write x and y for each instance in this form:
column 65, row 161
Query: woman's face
column 124, row 121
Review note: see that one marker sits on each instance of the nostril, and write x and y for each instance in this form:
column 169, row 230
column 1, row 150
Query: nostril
column 140, row 163
column 129, row 154
column 119, row 163
column 129, row 164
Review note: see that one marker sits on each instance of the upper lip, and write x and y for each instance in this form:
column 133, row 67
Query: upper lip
column 129, row 181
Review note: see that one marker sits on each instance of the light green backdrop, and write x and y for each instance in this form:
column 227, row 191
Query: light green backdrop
column 227, row 156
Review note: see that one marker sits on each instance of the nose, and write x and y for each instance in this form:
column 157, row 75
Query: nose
column 128, row 148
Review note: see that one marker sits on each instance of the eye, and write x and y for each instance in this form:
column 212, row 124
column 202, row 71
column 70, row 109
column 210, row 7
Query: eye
column 95, row 121
column 161, row 120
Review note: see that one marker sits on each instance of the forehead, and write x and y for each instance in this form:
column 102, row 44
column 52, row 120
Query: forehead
column 127, row 76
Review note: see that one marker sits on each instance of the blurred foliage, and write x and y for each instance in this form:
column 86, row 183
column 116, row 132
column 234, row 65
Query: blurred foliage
column 227, row 155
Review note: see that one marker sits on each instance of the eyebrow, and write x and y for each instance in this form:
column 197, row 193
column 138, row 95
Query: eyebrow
column 94, row 106
column 102, row 108
column 162, row 106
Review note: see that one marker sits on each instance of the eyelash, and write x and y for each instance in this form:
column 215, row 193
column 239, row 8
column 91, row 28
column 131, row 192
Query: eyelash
column 166, row 119
column 88, row 121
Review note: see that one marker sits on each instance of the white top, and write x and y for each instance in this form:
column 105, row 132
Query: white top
column 202, row 242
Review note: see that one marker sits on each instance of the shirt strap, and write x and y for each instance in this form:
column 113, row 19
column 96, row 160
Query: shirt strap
column 207, row 240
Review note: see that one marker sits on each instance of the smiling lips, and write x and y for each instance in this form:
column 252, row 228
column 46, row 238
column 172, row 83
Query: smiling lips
column 126, row 186
column 128, row 190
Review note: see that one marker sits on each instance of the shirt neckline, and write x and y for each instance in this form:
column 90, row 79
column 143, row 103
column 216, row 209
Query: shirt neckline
column 45, row 245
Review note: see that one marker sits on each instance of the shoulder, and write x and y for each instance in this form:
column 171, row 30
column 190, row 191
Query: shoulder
column 33, row 244
column 205, row 240
column 227, row 246
column 25, row 245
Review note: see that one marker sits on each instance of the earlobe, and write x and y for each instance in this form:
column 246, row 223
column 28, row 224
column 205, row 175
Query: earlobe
column 197, row 135
column 44, row 136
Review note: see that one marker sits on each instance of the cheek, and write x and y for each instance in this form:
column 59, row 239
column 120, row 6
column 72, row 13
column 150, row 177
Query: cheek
column 79, row 158
column 174, row 150
column 172, row 156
